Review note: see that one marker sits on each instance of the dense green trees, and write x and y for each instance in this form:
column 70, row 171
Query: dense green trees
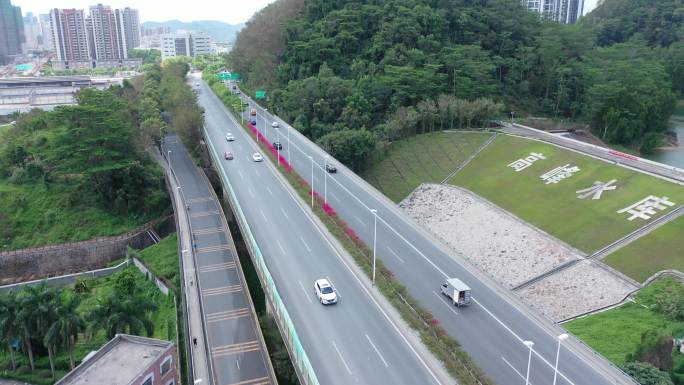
column 647, row 374
column 352, row 64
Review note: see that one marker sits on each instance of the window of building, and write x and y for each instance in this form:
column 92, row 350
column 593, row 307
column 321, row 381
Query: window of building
column 165, row 367
column 149, row 379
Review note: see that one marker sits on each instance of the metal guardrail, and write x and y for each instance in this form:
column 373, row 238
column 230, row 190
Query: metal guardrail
column 306, row 372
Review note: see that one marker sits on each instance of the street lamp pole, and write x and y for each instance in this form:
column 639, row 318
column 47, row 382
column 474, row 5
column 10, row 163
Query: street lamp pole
column 289, row 159
column 168, row 157
column 375, row 239
column 561, row 338
column 529, row 344
column 278, row 146
column 325, row 179
column 312, row 182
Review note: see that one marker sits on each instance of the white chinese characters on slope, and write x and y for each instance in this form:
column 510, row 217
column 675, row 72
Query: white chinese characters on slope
column 646, row 208
column 526, row 162
column 596, row 190
column 559, row 173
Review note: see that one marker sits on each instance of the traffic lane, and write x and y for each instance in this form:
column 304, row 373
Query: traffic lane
column 282, row 270
column 545, row 343
column 359, row 320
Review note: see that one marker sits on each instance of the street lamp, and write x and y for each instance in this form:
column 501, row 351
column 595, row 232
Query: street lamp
column 375, row 239
column 529, row 344
column 289, row 159
column 168, row 157
column 312, row 182
column 325, row 179
column 561, row 338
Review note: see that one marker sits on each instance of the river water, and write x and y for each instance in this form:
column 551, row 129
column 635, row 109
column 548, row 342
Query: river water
column 673, row 157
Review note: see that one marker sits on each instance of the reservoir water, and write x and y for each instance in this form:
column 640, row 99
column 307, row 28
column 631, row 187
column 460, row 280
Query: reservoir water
column 673, row 157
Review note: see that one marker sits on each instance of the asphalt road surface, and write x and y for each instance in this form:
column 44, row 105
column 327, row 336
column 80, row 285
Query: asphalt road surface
column 493, row 329
column 352, row 342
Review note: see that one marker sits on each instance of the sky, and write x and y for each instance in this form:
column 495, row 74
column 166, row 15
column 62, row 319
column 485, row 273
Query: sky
column 229, row 11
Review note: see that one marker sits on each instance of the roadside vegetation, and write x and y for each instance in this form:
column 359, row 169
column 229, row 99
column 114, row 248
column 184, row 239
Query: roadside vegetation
column 78, row 172
column 586, row 224
column 351, row 65
column 163, row 260
column 46, row 332
column 642, row 336
column 399, row 168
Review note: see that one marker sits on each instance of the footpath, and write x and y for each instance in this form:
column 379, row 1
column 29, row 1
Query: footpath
column 225, row 340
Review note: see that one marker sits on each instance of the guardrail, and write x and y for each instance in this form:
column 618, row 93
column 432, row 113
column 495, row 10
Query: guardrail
column 299, row 357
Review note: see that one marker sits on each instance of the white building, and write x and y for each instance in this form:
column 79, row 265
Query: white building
column 185, row 44
column 561, row 11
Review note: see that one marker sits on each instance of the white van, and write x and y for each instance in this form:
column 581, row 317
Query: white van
column 458, row 291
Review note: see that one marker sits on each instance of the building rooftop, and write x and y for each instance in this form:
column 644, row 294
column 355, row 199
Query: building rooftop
column 118, row 362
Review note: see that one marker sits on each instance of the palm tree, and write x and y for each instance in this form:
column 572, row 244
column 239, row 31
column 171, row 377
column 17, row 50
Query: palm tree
column 9, row 325
column 36, row 313
column 124, row 313
column 51, row 340
column 66, row 327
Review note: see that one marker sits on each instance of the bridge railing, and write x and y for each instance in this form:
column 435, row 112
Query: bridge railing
column 287, row 329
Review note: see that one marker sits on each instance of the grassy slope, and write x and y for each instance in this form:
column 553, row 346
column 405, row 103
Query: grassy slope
column 617, row 332
column 36, row 215
column 424, row 158
column 162, row 259
column 586, row 224
column 640, row 260
column 164, row 323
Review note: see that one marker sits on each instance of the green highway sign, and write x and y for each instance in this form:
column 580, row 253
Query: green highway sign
column 261, row 95
column 234, row 76
column 223, row 75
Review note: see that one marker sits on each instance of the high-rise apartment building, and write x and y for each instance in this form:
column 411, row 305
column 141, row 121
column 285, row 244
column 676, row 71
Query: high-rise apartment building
column 70, row 37
column 562, row 11
column 100, row 38
column 106, row 33
column 12, row 35
column 131, row 26
column 185, row 44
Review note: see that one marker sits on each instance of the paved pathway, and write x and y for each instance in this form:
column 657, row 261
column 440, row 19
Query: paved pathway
column 230, row 348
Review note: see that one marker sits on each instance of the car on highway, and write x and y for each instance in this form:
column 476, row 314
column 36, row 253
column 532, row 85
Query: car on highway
column 252, row 122
column 277, row 145
column 257, row 157
column 325, row 292
column 197, row 84
column 228, row 155
column 274, row 125
column 329, row 167
column 230, row 137
column 253, row 112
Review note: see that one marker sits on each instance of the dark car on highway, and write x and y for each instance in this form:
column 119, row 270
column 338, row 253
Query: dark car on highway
column 278, row 146
column 329, row 167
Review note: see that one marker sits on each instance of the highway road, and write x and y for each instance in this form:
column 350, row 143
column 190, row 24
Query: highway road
column 493, row 329
column 352, row 342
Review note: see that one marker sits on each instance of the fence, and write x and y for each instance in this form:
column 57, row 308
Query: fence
column 282, row 317
column 72, row 257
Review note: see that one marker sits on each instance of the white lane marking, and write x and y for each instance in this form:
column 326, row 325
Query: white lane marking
column 280, row 245
column 269, row 190
column 444, row 302
column 330, row 244
column 520, row 339
column 263, row 215
column 360, row 221
column 251, row 193
column 377, row 351
column 395, row 254
column 304, row 242
column 237, row 362
column 284, row 213
column 514, row 369
column 241, row 176
column 304, row 290
column 341, row 358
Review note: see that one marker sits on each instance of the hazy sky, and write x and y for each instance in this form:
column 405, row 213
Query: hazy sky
column 230, row 11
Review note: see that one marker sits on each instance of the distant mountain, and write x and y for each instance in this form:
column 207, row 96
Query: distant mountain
column 217, row 30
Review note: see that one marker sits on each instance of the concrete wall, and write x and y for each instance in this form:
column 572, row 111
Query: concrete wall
column 42, row 262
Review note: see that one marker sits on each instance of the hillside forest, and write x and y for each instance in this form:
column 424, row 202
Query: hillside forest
column 341, row 70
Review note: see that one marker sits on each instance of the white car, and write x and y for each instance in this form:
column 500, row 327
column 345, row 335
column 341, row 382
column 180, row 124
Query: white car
column 257, row 157
column 230, row 137
column 325, row 292
column 274, row 124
